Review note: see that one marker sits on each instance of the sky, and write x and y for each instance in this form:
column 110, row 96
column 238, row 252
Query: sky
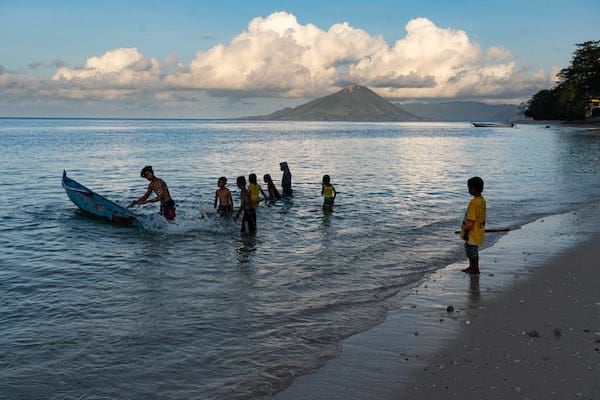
column 227, row 59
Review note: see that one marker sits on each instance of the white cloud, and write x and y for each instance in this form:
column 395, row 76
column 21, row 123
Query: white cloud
column 498, row 54
column 115, row 74
column 277, row 56
column 447, row 57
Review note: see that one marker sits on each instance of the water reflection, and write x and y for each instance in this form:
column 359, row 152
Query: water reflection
column 326, row 219
column 474, row 297
column 245, row 248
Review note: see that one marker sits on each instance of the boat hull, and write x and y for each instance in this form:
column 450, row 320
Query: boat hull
column 492, row 125
column 95, row 204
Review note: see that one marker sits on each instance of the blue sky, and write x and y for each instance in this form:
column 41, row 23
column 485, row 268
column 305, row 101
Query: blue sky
column 210, row 59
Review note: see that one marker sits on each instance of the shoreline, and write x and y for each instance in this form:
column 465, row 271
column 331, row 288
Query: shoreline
column 501, row 321
column 538, row 340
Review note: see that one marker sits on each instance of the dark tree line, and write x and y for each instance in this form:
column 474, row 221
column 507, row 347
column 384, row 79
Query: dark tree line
column 577, row 84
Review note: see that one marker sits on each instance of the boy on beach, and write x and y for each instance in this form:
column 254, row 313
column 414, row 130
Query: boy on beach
column 158, row 186
column 328, row 192
column 473, row 227
column 223, row 198
column 249, row 218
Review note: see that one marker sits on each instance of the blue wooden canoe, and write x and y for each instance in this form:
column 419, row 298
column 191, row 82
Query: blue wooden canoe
column 95, row 204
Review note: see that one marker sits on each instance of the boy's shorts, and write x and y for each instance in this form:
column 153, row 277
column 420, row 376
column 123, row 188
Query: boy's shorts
column 167, row 210
column 249, row 222
column 224, row 210
column 472, row 251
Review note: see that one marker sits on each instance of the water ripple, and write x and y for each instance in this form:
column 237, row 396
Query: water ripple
column 191, row 309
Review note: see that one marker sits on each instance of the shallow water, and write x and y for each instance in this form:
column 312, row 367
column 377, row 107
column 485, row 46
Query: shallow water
column 388, row 361
column 195, row 310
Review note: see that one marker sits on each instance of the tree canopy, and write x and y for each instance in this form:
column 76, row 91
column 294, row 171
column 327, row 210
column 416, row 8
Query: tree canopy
column 578, row 83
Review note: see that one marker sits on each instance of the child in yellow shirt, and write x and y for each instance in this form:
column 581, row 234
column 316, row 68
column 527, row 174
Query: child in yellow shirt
column 255, row 189
column 473, row 227
column 328, row 192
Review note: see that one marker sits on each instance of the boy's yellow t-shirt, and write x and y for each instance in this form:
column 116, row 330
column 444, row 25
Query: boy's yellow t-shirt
column 476, row 212
column 254, row 190
column 328, row 191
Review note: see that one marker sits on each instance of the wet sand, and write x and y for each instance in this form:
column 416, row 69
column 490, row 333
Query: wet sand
column 539, row 340
column 527, row 328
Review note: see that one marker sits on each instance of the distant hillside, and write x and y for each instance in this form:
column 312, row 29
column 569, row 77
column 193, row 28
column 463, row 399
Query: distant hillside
column 354, row 103
column 465, row 111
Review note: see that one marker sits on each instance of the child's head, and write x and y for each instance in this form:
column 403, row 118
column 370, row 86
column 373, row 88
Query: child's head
column 267, row 178
column 147, row 172
column 475, row 185
column 241, row 181
column 326, row 179
column 222, row 181
column 252, row 178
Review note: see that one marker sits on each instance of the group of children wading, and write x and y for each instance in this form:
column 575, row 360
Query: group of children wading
column 249, row 197
column 472, row 231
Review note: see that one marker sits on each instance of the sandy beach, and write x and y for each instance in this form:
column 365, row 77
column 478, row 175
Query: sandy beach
column 527, row 328
column 539, row 340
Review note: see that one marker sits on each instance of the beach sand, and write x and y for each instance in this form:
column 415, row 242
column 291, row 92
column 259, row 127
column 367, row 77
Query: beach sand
column 527, row 328
column 539, row 340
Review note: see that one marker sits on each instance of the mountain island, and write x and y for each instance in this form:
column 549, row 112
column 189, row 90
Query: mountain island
column 353, row 103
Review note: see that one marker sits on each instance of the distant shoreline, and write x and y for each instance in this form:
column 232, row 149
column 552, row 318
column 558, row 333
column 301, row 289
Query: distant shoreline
column 583, row 125
column 572, row 124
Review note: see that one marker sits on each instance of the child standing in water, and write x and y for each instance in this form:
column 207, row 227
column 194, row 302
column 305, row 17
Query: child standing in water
column 255, row 189
column 473, row 227
column 249, row 218
column 286, row 179
column 328, row 192
column 273, row 192
column 223, row 198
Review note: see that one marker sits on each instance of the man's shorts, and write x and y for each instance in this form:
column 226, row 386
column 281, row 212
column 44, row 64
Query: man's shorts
column 167, row 209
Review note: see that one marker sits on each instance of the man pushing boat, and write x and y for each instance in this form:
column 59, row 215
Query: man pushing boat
column 158, row 186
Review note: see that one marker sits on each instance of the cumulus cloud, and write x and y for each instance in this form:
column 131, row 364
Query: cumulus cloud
column 277, row 56
column 114, row 74
column 443, row 63
column 410, row 80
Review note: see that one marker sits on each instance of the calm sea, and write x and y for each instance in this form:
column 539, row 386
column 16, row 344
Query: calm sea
column 193, row 310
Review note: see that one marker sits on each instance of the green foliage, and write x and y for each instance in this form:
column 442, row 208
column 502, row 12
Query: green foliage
column 544, row 105
column 580, row 81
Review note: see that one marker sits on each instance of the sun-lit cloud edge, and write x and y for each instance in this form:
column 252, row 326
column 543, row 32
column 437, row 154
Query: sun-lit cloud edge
column 278, row 57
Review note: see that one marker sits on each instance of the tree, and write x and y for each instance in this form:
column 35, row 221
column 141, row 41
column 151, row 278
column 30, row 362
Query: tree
column 577, row 84
column 544, row 105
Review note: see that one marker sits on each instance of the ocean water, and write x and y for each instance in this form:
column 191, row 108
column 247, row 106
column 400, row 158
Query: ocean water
column 193, row 309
